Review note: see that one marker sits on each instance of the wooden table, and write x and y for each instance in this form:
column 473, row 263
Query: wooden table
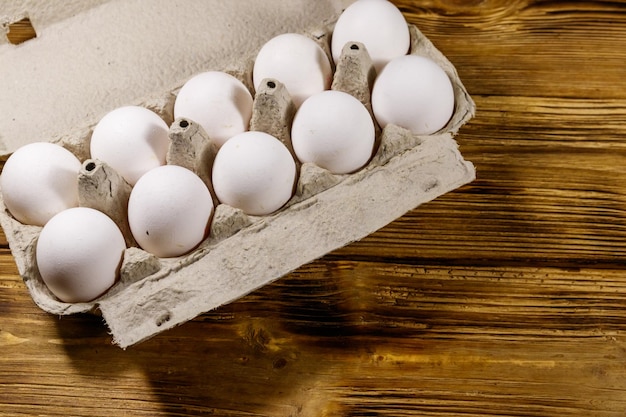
column 506, row 297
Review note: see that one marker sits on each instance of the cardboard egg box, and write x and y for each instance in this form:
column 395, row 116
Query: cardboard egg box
column 242, row 252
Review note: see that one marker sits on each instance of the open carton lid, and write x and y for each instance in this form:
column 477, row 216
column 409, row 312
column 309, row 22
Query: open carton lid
column 94, row 56
column 91, row 56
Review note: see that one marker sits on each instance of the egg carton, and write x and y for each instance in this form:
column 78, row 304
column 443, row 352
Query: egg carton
column 243, row 253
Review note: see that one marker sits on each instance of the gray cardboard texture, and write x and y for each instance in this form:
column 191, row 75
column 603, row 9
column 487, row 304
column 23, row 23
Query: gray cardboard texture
column 118, row 52
column 242, row 252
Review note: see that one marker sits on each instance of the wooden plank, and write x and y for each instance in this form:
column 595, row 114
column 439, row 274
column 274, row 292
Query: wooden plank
column 349, row 338
column 529, row 48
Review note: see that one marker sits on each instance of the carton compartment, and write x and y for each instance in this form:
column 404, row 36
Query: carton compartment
column 243, row 252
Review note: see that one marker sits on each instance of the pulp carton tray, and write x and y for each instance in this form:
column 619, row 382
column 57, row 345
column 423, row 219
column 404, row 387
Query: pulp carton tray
column 242, row 253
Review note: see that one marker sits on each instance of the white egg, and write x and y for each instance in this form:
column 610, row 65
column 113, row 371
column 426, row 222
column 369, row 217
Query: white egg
column 169, row 210
column 218, row 102
column 335, row 131
column 296, row 61
column 79, row 252
column 254, row 172
column 377, row 24
column 132, row 140
column 415, row 93
column 38, row 181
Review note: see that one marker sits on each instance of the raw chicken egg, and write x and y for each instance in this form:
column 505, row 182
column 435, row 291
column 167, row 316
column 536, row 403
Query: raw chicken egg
column 169, row 210
column 377, row 24
column 218, row 102
column 132, row 140
column 415, row 93
column 335, row 131
column 79, row 252
column 296, row 61
column 38, row 181
column 254, row 172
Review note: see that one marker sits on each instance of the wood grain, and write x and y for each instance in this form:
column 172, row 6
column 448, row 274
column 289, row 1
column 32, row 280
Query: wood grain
column 506, row 297
column 20, row 31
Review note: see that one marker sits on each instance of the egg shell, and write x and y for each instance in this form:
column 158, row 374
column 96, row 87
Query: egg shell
column 169, row 211
column 295, row 60
column 335, row 131
column 217, row 101
column 415, row 93
column 38, row 181
column 254, row 172
column 78, row 253
column 378, row 24
column 132, row 140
